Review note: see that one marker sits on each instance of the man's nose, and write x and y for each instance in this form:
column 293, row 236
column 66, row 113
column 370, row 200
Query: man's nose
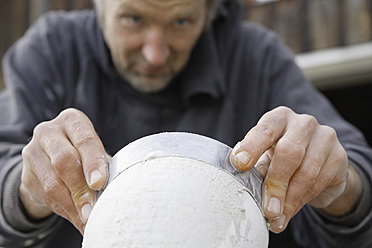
column 155, row 48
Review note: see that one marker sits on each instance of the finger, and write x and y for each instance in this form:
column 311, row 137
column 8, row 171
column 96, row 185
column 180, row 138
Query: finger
column 280, row 224
column 289, row 153
column 69, row 169
column 293, row 203
column 264, row 161
column 62, row 160
column 83, row 137
column 316, row 181
column 55, row 189
column 38, row 193
column 65, row 161
column 259, row 139
column 37, row 170
column 303, row 179
column 330, row 183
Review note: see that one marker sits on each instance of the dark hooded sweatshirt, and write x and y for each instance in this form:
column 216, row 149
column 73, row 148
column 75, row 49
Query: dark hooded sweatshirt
column 237, row 71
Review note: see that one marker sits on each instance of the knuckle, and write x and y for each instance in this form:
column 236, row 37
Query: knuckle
column 330, row 137
column 291, row 205
column 54, row 189
column 26, row 149
column 76, row 126
column 27, row 152
column 284, row 110
column 72, row 117
column 328, row 133
column 69, row 114
column 311, row 168
column 267, row 130
column 84, row 138
column 290, row 150
column 301, row 184
column 44, row 134
column 64, row 160
column 42, row 129
column 309, row 122
column 341, row 156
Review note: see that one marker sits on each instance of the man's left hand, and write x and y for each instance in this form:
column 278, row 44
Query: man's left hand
column 301, row 162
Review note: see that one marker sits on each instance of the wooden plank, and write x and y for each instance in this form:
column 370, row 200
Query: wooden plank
column 3, row 24
column 83, row 4
column 259, row 14
column 3, row 34
column 286, row 17
column 358, row 25
column 61, row 5
column 14, row 24
column 306, row 25
column 291, row 23
column 324, row 28
column 20, row 18
column 36, row 9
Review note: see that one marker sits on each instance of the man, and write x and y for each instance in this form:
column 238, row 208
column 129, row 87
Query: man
column 83, row 89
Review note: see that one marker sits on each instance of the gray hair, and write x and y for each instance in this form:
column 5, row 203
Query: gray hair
column 211, row 4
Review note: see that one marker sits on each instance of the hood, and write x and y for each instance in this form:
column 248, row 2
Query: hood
column 229, row 12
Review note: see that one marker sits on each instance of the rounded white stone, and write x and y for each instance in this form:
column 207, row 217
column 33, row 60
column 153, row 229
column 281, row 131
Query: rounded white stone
column 175, row 202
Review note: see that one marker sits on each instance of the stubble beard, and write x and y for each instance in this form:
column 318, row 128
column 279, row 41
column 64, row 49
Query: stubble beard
column 145, row 83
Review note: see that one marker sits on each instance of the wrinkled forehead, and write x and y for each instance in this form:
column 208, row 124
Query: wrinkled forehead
column 158, row 4
column 210, row 4
column 157, row 10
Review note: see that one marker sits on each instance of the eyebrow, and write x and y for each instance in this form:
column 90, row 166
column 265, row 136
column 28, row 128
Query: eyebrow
column 126, row 7
column 189, row 12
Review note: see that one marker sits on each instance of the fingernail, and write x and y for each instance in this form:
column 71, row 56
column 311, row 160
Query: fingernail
column 85, row 212
column 243, row 157
column 236, row 147
column 274, row 206
column 95, row 176
column 279, row 223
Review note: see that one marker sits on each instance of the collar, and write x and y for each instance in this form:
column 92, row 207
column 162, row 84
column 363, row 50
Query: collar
column 100, row 50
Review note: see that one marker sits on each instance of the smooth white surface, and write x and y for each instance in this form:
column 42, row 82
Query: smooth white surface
column 175, row 202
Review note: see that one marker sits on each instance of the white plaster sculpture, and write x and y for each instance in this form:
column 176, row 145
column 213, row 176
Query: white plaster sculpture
column 175, row 202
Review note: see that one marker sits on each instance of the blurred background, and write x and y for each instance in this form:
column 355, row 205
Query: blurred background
column 332, row 41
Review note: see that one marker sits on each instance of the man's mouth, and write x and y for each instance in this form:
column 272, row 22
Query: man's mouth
column 150, row 70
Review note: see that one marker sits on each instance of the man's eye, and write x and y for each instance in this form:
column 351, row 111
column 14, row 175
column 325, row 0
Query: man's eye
column 181, row 22
column 132, row 20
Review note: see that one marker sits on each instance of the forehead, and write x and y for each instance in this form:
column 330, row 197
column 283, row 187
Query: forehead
column 161, row 6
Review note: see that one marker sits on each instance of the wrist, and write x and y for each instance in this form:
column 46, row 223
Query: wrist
column 346, row 202
column 32, row 209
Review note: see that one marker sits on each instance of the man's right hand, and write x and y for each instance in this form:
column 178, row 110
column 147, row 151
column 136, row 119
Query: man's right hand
column 63, row 165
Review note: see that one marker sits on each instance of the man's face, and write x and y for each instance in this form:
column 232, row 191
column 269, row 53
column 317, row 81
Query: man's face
column 151, row 40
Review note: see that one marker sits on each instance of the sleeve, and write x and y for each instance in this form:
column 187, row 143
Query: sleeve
column 289, row 87
column 28, row 99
